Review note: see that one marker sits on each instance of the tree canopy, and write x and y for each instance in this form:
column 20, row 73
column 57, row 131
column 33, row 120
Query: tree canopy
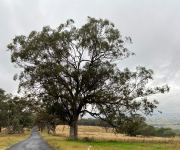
column 73, row 71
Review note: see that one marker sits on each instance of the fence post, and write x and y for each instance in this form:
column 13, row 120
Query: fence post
column 89, row 147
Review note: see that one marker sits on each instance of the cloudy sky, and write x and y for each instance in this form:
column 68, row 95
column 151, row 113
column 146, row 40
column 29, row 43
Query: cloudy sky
column 154, row 26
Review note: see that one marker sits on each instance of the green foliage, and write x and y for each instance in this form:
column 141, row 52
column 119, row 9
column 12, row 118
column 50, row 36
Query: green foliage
column 164, row 132
column 70, row 69
column 136, row 125
column 131, row 125
column 93, row 122
column 148, row 130
column 14, row 113
column 45, row 120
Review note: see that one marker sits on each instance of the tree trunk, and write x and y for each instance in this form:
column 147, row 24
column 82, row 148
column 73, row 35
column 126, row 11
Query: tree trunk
column 0, row 129
column 73, row 132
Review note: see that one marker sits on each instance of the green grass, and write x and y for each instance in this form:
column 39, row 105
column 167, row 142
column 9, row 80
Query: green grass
column 61, row 143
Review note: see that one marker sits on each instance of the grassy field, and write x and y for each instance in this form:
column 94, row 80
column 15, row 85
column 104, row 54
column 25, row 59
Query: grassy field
column 98, row 138
column 8, row 140
column 60, row 143
column 102, row 140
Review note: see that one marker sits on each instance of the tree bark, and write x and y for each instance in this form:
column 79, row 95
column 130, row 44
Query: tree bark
column 73, row 132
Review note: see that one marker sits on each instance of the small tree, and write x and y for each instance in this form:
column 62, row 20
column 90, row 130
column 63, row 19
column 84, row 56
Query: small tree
column 45, row 119
column 74, row 69
column 131, row 125
column 18, row 116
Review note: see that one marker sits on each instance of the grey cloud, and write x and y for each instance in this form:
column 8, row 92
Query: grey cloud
column 152, row 24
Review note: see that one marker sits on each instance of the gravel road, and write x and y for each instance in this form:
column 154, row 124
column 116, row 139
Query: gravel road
column 34, row 142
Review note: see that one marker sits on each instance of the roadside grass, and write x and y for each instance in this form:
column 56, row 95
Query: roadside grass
column 7, row 140
column 62, row 143
column 99, row 133
column 101, row 139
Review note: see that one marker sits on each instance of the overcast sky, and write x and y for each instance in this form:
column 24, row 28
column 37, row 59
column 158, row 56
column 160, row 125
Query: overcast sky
column 154, row 26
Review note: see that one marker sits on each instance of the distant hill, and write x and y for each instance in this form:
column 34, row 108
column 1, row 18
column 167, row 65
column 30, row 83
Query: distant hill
column 171, row 120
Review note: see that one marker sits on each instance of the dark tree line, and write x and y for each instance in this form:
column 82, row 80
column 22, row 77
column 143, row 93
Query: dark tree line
column 73, row 71
column 135, row 126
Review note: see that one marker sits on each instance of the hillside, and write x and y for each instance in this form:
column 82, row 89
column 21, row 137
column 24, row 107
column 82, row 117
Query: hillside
column 171, row 120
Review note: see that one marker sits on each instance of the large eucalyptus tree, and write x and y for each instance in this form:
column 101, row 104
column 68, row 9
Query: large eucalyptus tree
column 73, row 71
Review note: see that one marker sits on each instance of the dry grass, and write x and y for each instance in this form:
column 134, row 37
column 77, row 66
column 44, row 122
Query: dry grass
column 61, row 143
column 106, row 140
column 99, row 133
column 8, row 140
